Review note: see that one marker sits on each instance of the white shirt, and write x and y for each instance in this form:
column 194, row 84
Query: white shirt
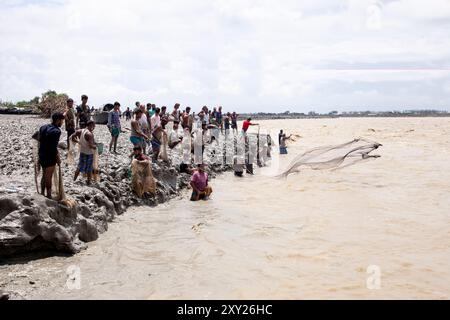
column 143, row 121
column 174, row 136
column 156, row 122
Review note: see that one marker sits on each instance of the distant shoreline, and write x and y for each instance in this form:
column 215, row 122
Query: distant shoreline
column 295, row 117
column 287, row 116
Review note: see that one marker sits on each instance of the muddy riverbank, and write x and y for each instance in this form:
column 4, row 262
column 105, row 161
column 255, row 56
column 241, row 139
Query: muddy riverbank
column 32, row 223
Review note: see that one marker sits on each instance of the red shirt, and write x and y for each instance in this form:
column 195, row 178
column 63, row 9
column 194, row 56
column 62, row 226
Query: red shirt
column 246, row 125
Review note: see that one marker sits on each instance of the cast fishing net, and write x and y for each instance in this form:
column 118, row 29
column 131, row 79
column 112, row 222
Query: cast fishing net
column 334, row 157
column 73, row 152
column 164, row 145
column 142, row 178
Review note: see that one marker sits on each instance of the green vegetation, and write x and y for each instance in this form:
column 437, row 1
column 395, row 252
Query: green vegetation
column 48, row 103
column 31, row 104
column 51, row 102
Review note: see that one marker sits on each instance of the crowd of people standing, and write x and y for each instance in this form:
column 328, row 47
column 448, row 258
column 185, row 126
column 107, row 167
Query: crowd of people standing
column 150, row 132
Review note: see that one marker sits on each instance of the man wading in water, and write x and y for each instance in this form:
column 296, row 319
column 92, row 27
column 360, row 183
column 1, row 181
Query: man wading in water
column 282, row 142
column 83, row 113
column 114, row 126
column 199, row 183
column 87, row 149
column 48, row 151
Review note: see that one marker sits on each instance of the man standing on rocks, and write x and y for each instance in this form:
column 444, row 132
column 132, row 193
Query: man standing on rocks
column 175, row 138
column 157, row 132
column 49, row 136
column 83, row 113
column 138, row 137
column 144, row 121
column 114, row 126
column 87, row 149
column 226, row 122
column 234, row 125
column 69, row 120
column 128, row 114
column 176, row 112
column 185, row 120
column 247, row 124
column 219, row 119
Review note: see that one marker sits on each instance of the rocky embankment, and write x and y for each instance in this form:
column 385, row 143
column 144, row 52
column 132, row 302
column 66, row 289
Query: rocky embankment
column 32, row 223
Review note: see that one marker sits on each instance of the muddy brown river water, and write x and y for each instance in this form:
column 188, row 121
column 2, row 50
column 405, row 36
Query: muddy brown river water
column 314, row 235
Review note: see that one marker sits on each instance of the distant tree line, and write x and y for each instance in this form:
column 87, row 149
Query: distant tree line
column 337, row 114
column 49, row 102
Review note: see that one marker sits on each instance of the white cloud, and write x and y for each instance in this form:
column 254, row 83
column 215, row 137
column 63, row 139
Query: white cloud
column 249, row 55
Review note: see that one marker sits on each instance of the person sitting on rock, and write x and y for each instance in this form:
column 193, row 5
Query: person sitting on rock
column 85, row 137
column 199, row 183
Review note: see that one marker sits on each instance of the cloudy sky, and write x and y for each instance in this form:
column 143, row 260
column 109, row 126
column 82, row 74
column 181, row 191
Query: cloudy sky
column 251, row 55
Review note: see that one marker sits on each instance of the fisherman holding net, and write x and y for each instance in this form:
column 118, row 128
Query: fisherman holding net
column 144, row 121
column 142, row 176
column 247, row 124
column 282, row 142
column 88, row 151
column 138, row 137
column 48, row 138
column 175, row 137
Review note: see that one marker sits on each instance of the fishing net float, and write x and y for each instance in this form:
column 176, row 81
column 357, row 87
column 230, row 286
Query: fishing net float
column 333, row 157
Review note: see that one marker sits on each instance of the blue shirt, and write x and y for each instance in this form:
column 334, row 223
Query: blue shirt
column 114, row 119
column 48, row 143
